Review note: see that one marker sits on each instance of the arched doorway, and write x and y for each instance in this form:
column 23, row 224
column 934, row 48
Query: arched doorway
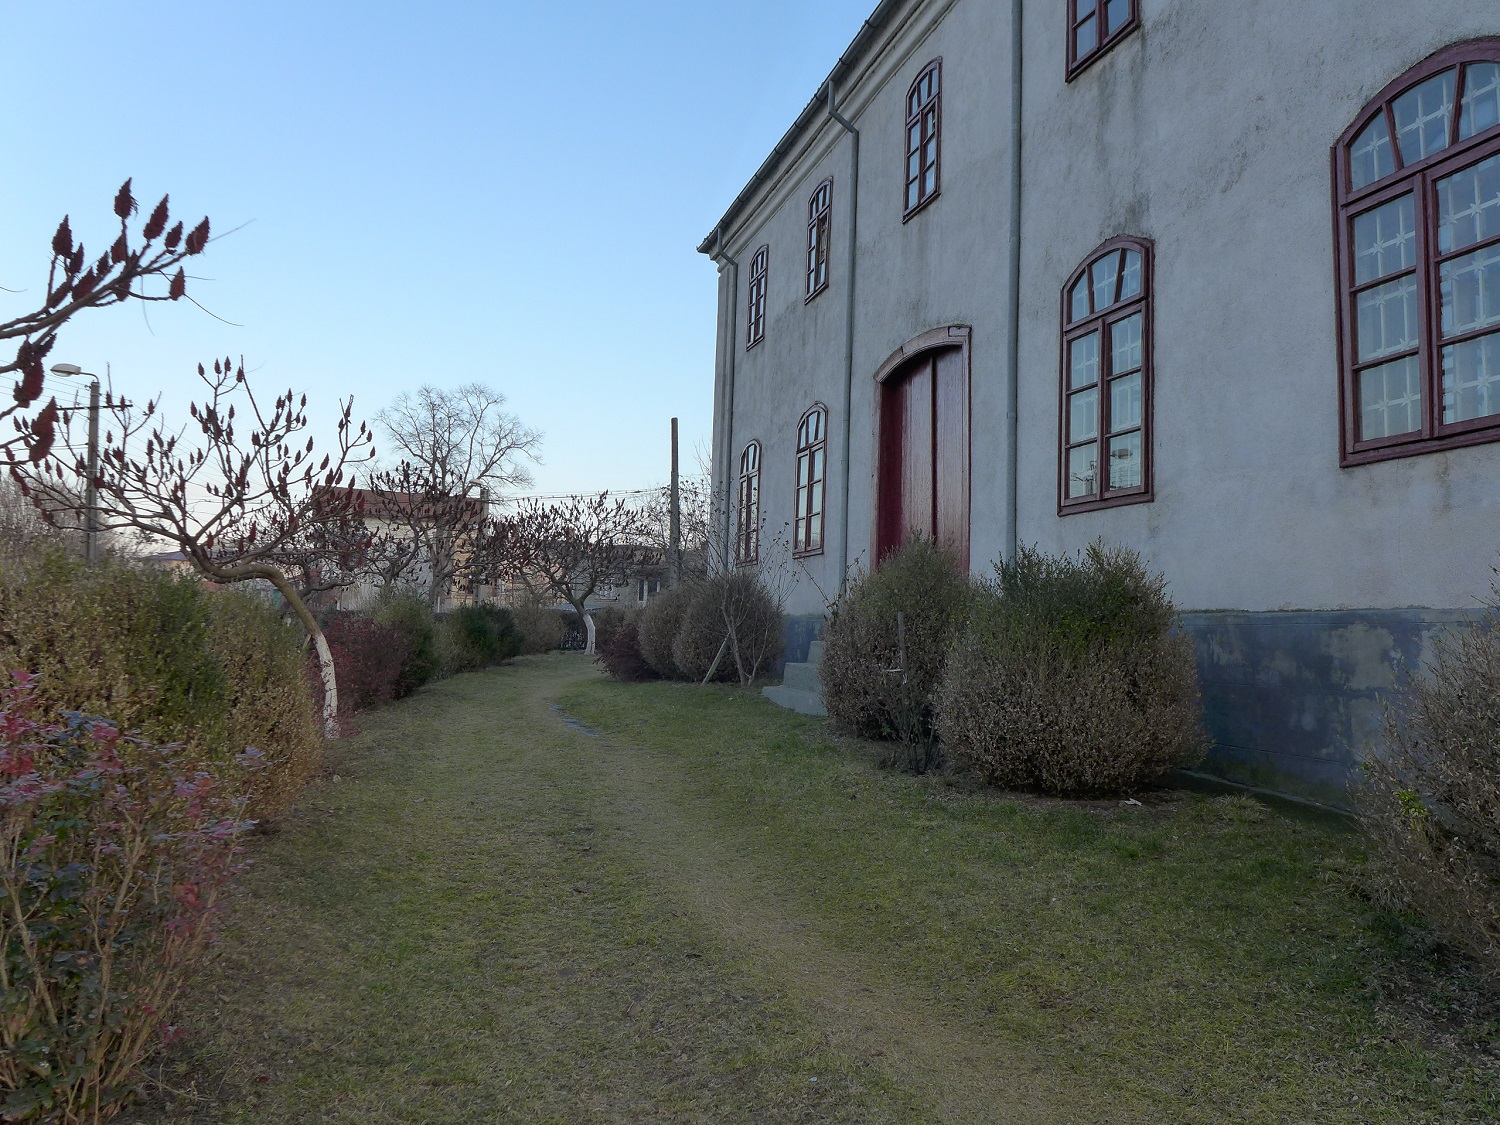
column 922, row 451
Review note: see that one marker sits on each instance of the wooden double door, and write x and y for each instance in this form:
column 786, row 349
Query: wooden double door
column 923, row 474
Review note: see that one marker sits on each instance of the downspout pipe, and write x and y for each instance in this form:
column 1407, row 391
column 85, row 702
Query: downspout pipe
column 848, row 405
column 1011, row 542
column 730, row 349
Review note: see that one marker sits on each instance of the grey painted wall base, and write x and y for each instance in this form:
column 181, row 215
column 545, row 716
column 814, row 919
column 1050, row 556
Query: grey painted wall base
column 1294, row 700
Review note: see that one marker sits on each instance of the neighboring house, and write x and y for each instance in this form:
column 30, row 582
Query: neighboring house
column 394, row 518
column 1233, row 302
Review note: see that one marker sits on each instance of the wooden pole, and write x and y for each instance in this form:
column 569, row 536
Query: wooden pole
column 674, row 562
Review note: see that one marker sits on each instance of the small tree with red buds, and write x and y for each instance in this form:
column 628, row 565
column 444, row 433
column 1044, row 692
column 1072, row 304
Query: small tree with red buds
column 236, row 497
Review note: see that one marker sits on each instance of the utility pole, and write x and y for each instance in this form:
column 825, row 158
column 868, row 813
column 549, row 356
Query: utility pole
column 91, row 491
column 674, row 562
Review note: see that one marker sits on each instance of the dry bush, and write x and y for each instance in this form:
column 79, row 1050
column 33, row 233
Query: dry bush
column 1431, row 796
column 866, row 687
column 621, row 656
column 1070, row 678
column 164, row 656
column 659, row 624
column 731, row 629
column 541, row 629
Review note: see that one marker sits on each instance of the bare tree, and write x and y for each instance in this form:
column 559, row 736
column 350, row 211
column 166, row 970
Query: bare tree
column 572, row 548
column 154, row 252
column 458, row 451
column 234, row 498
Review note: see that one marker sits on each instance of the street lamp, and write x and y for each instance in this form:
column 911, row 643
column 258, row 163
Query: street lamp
column 90, row 497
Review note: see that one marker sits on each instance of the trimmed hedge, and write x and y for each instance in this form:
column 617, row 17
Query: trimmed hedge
column 659, row 624
column 475, row 637
column 541, row 629
column 862, row 648
column 162, row 655
column 622, row 658
column 408, row 613
column 1070, row 678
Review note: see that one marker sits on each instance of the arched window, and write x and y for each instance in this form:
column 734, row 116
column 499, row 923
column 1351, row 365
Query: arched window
column 1106, row 379
column 755, row 330
column 1418, row 231
column 924, row 117
column 1094, row 26
column 812, row 465
column 819, row 228
column 747, row 529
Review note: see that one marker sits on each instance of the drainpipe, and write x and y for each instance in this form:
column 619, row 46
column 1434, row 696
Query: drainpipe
column 849, row 128
column 730, row 350
column 1013, row 329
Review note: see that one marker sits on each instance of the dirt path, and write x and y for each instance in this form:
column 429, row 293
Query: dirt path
column 954, row 1070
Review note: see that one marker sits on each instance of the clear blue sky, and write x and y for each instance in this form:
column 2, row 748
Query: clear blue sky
column 436, row 191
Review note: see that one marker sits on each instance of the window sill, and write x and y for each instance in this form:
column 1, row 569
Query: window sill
column 754, row 343
column 1418, row 447
column 920, row 207
column 1076, row 507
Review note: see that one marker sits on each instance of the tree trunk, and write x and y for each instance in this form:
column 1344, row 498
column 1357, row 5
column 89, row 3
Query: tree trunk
column 588, row 624
column 320, row 642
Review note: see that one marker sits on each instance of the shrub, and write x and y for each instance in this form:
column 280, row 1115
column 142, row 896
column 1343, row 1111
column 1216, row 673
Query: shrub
column 167, row 658
column 622, row 658
column 368, row 658
column 1069, row 677
column 408, row 613
column 113, row 855
column 732, row 618
column 475, row 637
column 659, row 624
column 541, row 629
column 1431, row 796
column 926, row 587
column 608, row 622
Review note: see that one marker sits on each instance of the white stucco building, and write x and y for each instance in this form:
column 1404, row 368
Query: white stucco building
column 1220, row 282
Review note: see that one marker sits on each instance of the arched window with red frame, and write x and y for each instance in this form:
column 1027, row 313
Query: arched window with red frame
column 924, row 120
column 1105, row 417
column 747, row 523
column 755, row 319
column 812, row 468
column 819, row 235
column 1417, row 178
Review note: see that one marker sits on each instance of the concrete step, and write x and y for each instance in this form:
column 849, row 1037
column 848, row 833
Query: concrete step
column 815, row 653
column 803, row 702
column 802, row 677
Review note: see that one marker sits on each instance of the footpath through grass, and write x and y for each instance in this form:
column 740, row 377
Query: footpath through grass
column 687, row 905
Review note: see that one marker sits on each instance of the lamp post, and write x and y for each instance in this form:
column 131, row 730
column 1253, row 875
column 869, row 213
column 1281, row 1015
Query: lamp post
column 90, row 496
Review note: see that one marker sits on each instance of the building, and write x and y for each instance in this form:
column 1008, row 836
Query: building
column 1220, row 282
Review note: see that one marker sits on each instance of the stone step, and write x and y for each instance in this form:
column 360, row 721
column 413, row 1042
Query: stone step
column 815, row 653
column 802, row 677
column 803, row 702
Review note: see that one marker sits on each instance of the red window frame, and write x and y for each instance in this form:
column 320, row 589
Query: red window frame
column 924, row 127
column 812, row 474
column 755, row 326
column 819, row 231
column 747, row 521
column 1100, row 300
column 1085, row 18
column 1360, row 191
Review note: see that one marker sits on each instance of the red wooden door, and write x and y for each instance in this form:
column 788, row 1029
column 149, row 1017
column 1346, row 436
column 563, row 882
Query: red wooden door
column 923, row 486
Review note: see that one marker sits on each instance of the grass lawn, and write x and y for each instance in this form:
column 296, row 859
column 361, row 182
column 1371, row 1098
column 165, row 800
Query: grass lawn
column 687, row 905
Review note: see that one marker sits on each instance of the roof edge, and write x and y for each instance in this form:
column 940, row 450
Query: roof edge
column 880, row 18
